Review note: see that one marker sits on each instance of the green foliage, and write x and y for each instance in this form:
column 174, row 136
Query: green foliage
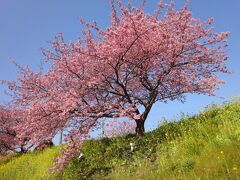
column 34, row 165
column 203, row 146
column 7, row 158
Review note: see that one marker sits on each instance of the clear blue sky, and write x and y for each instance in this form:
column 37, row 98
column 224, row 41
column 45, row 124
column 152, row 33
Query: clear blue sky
column 27, row 25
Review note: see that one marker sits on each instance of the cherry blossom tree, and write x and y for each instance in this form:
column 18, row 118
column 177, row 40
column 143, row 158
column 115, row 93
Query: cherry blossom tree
column 9, row 141
column 120, row 71
column 115, row 127
column 7, row 135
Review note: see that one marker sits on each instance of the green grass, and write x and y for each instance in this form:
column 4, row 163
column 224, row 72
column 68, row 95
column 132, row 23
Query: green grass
column 205, row 146
column 34, row 165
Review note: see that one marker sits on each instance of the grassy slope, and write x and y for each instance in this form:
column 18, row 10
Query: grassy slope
column 32, row 166
column 206, row 145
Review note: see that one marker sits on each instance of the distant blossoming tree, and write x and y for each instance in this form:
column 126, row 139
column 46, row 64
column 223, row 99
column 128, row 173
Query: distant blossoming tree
column 122, row 71
column 9, row 141
column 7, row 134
column 117, row 127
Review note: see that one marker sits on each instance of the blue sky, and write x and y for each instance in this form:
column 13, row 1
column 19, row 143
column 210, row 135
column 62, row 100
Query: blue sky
column 27, row 25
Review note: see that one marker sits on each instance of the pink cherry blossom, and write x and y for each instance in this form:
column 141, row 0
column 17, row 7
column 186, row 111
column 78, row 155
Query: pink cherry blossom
column 119, row 72
column 119, row 128
column 9, row 142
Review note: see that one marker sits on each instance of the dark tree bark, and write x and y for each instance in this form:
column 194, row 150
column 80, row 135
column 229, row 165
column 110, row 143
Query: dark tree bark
column 140, row 130
column 140, row 127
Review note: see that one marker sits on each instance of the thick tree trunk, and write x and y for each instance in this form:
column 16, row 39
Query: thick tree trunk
column 140, row 122
column 140, row 127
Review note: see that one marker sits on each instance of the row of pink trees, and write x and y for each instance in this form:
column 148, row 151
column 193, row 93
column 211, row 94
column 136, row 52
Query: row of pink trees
column 7, row 134
column 116, row 128
column 9, row 141
column 120, row 71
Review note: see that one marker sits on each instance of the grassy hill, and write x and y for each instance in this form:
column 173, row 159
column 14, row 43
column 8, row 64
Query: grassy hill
column 205, row 146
